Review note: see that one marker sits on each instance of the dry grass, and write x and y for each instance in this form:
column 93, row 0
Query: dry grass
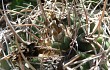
column 28, row 34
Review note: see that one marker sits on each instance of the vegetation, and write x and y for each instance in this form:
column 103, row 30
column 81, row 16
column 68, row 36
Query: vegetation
column 55, row 35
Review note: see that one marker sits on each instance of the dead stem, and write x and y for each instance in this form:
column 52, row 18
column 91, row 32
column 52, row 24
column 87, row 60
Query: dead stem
column 97, row 26
column 24, row 56
column 11, row 27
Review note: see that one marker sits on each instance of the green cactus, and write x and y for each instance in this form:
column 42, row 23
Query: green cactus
column 83, row 45
column 3, row 64
column 66, row 43
column 56, row 45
